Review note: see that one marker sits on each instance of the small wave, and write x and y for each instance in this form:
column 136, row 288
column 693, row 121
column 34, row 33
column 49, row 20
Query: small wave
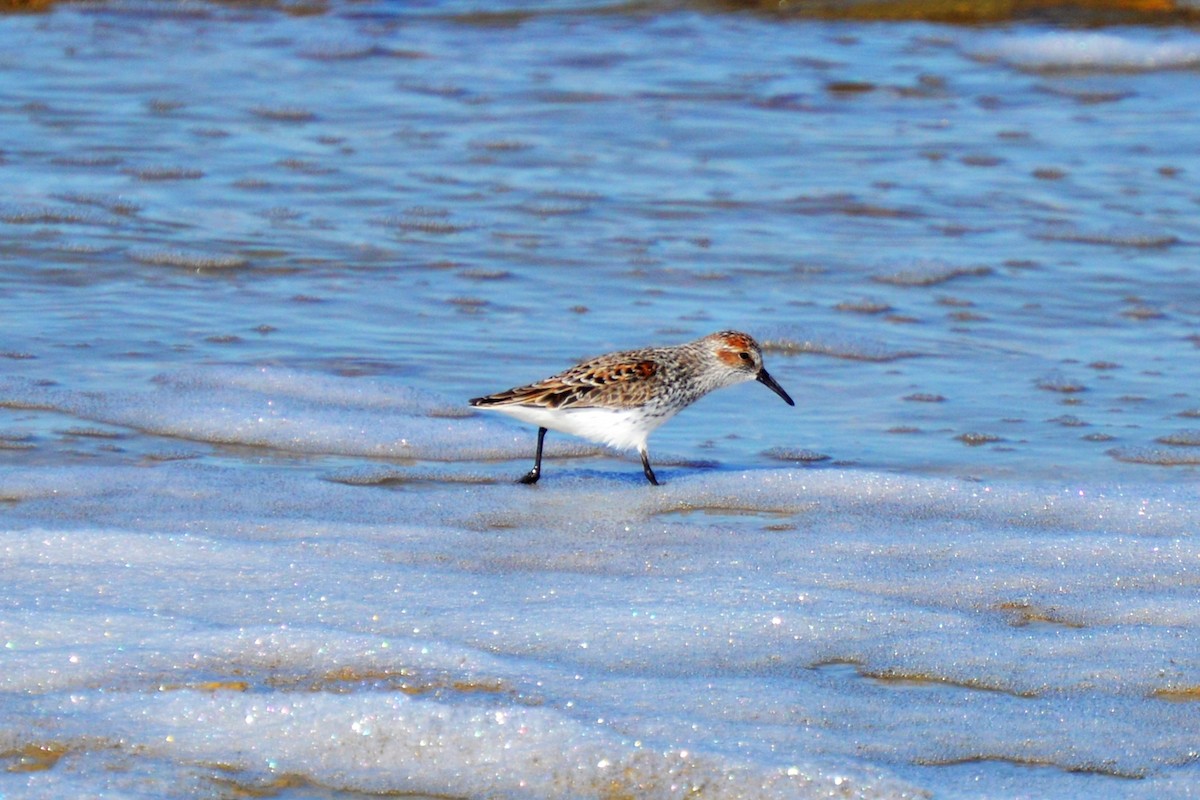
column 395, row 477
column 198, row 262
column 848, row 205
column 849, row 350
column 1116, row 237
column 1093, row 52
column 1181, row 439
column 287, row 411
column 974, row 439
column 354, row 51
column 284, row 113
column 165, row 173
column 929, row 274
column 795, row 454
column 863, row 306
column 1157, row 456
column 1060, row 383
column 47, row 216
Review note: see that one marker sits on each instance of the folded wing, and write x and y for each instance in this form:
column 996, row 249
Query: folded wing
column 592, row 384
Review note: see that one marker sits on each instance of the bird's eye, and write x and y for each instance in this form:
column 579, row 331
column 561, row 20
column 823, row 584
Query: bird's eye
column 744, row 356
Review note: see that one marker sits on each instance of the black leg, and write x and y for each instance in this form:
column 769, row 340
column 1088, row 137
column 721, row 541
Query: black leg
column 646, row 468
column 535, row 473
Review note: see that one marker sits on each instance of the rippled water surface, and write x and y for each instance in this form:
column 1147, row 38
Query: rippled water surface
column 254, row 260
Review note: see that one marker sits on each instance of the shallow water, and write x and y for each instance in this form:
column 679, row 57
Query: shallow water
column 252, row 263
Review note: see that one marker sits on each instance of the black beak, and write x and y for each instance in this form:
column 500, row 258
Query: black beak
column 765, row 379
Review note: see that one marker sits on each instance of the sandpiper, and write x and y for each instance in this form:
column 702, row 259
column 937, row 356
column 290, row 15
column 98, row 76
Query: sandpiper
column 619, row 399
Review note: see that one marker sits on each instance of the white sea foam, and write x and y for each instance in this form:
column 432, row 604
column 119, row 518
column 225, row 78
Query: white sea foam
column 396, row 744
column 593, row 636
column 1094, row 51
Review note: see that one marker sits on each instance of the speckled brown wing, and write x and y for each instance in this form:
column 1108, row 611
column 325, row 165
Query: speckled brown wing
column 602, row 382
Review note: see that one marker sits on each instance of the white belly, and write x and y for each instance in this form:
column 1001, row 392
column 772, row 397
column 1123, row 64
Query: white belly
column 623, row 429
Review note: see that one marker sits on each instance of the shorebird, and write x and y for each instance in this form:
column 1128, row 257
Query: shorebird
column 619, row 399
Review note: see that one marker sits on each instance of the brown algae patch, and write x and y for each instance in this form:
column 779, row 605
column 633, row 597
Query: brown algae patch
column 1021, row 614
column 900, row 679
column 727, row 511
column 7, row 6
column 274, row 786
column 350, row 679
column 207, row 686
column 850, row 87
column 1178, row 694
column 394, row 478
column 34, row 757
column 347, row 680
column 1088, row 769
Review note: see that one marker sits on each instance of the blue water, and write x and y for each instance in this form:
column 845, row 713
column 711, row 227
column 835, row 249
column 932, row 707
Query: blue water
column 386, row 203
column 249, row 242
